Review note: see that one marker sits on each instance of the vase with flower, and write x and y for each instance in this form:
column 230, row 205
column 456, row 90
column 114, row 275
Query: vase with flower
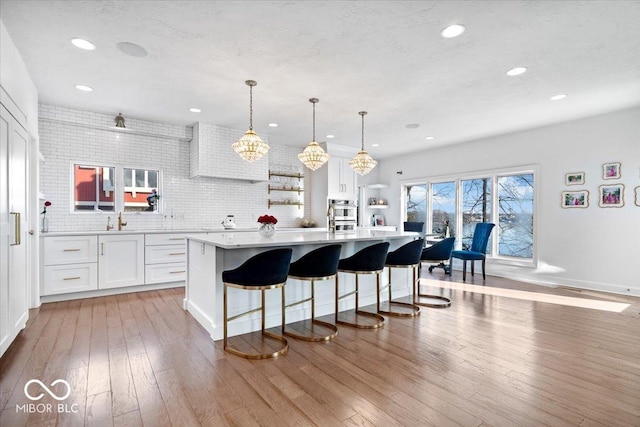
column 45, row 221
column 267, row 225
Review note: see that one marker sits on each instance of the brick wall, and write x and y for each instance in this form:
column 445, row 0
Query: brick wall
column 68, row 136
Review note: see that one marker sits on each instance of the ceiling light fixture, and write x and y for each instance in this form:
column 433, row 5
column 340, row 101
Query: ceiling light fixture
column 273, row 125
column 452, row 31
column 516, row 71
column 313, row 156
column 330, row 136
column 375, row 145
column 120, row 121
column 429, row 138
column 362, row 163
column 195, row 110
column 132, row 49
column 83, row 44
column 250, row 147
column 558, row 97
column 84, row 88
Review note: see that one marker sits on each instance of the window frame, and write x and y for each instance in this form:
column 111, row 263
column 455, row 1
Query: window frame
column 493, row 174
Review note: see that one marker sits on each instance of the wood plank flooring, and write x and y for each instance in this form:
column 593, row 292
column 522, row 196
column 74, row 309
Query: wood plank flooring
column 140, row 359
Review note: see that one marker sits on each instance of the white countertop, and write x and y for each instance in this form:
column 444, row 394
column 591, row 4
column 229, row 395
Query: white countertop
column 177, row 231
column 236, row 240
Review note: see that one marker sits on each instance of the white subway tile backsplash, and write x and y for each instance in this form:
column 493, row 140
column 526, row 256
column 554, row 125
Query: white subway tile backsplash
column 68, row 135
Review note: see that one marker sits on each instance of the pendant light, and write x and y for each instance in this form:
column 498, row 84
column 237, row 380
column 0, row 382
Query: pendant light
column 362, row 163
column 250, row 147
column 313, row 155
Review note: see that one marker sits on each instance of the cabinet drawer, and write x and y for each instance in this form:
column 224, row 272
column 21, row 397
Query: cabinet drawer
column 63, row 279
column 164, row 239
column 161, row 273
column 70, row 249
column 164, row 254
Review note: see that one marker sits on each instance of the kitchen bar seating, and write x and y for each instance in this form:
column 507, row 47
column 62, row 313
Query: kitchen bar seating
column 261, row 272
column 406, row 256
column 319, row 264
column 369, row 260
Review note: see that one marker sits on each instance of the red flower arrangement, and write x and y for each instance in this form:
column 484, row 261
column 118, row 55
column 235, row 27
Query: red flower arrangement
column 267, row 219
column 46, row 205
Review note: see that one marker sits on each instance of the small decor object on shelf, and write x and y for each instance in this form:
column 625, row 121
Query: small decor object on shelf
column 574, row 178
column 268, row 227
column 611, row 196
column 575, row 199
column 45, row 221
column 611, row 170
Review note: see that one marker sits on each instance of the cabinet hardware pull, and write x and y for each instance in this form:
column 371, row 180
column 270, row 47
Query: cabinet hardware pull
column 176, row 272
column 71, row 250
column 16, row 230
column 101, row 248
column 178, row 253
column 71, row 278
column 176, row 238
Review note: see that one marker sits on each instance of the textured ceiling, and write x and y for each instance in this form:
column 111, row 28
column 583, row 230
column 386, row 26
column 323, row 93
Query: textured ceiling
column 383, row 57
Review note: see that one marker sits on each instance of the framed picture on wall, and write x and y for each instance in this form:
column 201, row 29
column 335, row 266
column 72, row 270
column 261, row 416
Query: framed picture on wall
column 574, row 178
column 575, row 199
column 611, row 170
column 637, row 190
column 611, row 196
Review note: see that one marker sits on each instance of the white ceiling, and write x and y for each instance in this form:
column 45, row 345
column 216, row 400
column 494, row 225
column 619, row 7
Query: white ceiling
column 385, row 57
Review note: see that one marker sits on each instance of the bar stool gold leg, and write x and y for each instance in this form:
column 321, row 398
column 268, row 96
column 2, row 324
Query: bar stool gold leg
column 380, row 319
column 413, row 311
column 333, row 328
column 446, row 302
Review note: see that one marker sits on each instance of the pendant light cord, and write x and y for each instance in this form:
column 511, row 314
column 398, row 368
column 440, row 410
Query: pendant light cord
column 314, row 121
column 363, row 131
column 250, row 107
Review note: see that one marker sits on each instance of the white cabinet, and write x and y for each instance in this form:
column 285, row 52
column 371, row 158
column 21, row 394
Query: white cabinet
column 165, row 258
column 70, row 264
column 120, row 260
column 342, row 182
column 14, row 312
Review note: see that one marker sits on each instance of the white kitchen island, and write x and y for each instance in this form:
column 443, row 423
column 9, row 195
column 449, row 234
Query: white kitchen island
column 209, row 255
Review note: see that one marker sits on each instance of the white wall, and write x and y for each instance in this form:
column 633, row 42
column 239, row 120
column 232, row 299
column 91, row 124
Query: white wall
column 594, row 248
column 68, row 135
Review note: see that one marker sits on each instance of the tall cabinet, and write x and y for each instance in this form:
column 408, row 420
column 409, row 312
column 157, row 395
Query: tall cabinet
column 14, row 145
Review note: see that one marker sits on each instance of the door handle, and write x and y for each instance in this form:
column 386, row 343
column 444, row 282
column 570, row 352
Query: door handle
column 16, row 228
column 101, row 248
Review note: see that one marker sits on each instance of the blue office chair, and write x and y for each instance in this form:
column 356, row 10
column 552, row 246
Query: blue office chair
column 418, row 227
column 478, row 248
column 439, row 252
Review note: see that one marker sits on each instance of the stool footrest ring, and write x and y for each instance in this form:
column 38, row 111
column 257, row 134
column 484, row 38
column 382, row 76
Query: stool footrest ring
column 377, row 325
column 318, row 338
column 415, row 310
column 259, row 356
column 446, row 302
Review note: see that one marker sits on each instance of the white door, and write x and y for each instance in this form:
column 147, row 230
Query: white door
column 13, row 229
column 120, row 261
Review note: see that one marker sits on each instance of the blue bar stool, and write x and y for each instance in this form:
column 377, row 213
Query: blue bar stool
column 406, row 256
column 369, row 260
column 261, row 272
column 319, row 264
column 439, row 252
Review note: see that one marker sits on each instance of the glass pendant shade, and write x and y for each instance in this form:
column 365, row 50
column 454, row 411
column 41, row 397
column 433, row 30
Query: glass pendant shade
column 362, row 163
column 313, row 156
column 250, row 147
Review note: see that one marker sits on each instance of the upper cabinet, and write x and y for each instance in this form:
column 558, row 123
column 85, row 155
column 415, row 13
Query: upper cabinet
column 211, row 155
column 342, row 180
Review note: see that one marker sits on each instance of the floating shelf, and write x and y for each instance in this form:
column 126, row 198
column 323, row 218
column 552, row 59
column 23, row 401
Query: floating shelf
column 378, row 206
column 289, row 175
column 377, row 186
column 297, row 190
column 281, row 203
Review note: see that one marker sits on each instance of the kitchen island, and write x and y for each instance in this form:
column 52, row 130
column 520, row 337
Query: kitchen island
column 209, row 255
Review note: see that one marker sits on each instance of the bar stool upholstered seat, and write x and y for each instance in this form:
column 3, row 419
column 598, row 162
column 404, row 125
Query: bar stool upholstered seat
column 369, row 260
column 406, row 256
column 267, row 270
column 319, row 264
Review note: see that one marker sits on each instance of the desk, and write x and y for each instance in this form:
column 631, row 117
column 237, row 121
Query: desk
column 209, row 255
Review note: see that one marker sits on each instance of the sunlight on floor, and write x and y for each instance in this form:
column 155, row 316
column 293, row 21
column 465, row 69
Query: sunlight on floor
column 531, row 296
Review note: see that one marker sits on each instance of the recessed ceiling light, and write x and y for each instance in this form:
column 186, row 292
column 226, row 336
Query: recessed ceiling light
column 558, row 97
column 195, row 110
column 132, row 49
column 452, row 31
column 429, row 138
column 273, row 125
column 412, row 126
column 517, row 71
column 83, row 44
column 84, row 88
column 375, row 145
column 331, row 136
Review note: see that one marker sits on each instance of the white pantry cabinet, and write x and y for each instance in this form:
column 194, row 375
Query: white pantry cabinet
column 342, row 179
column 14, row 306
column 120, row 260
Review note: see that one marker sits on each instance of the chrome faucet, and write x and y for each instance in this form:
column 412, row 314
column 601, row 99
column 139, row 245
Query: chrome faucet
column 331, row 217
column 121, row 223
column 109, row 225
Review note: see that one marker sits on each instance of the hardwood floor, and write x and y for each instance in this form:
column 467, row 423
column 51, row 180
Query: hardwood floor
column 140, row 359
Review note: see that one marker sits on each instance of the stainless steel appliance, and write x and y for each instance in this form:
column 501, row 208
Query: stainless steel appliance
column 342, row 216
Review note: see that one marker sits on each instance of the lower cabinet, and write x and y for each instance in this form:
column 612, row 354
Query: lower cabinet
column 165, row 258
column 120, row 260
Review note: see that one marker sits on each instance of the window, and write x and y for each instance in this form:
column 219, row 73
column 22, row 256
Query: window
column 98, row 188
column 505, row 198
